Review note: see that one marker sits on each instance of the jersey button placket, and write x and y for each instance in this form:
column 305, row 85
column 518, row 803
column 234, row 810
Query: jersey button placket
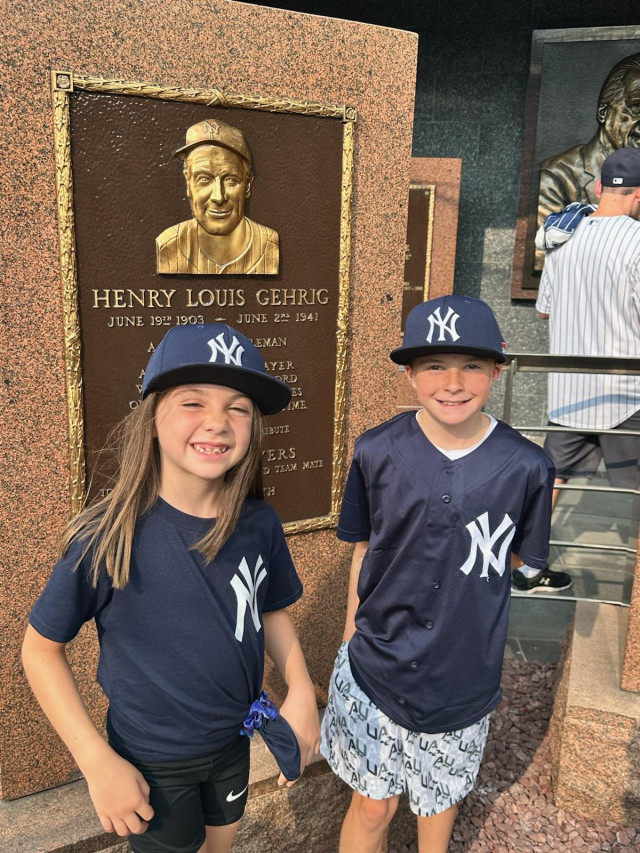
column 448, row 484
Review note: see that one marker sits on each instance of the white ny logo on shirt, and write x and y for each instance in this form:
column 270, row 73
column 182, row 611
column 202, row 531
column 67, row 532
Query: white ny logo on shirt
column 483, row 540
column 247, row 594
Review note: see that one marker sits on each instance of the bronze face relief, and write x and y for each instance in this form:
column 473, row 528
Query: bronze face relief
column 571, row 175
column 220, row 239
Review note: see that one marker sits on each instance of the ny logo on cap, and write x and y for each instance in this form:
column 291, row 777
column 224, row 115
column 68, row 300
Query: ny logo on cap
column 211, row 128
column 436, row 319
column 232, row 353
column 483, row 540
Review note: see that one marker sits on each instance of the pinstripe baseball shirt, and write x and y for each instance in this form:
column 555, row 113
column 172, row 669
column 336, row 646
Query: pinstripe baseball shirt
column 590, row 287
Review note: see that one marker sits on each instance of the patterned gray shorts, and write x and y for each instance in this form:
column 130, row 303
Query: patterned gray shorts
column 380, row 759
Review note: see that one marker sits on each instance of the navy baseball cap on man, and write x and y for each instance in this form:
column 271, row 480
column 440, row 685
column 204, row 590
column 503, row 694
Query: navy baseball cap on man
column 217, row 354
column 621, row 169
column 451, row 324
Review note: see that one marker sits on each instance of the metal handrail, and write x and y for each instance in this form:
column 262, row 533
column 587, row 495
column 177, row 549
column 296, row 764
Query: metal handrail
column 546, row 363
column 592, row 546
column 532, row 362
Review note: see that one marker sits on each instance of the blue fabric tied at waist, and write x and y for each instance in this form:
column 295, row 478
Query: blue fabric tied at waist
column 276, row 732
column 263, row 708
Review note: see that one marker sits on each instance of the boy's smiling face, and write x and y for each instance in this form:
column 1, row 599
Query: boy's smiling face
column 452, row 388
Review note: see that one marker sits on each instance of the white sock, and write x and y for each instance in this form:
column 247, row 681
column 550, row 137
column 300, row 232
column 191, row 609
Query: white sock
column 528, row 572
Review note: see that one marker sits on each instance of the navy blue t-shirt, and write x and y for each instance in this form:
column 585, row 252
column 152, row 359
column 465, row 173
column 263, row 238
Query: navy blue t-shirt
column 182, row 645
column 434, row 587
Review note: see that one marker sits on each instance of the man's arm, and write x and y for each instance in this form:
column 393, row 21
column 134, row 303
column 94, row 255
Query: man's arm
column 119, row 792
column 359, row 550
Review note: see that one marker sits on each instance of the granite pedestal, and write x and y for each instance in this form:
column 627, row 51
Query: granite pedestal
column 595, row 728
column 234, row 47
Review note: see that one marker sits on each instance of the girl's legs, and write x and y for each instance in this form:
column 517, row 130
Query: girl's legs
column 434, row 832
column 220, row 838
column 365, row 824
column 195, row 794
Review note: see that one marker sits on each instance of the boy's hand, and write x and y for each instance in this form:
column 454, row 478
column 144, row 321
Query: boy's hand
column 300, row 710
column 120, row 795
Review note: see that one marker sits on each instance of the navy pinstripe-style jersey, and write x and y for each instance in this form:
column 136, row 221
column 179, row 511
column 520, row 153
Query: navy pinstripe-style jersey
column 434, row 586
column 590, row 288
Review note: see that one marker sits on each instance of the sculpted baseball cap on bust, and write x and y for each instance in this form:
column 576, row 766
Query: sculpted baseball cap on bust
column 214, row 132
column 622, row 168
column 451, row 324
column 217, row 354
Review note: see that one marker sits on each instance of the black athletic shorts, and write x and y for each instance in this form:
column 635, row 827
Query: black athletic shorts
column 193, row 793
column 577, row 454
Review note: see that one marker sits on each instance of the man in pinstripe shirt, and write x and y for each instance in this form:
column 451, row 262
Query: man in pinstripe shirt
column 590, row 292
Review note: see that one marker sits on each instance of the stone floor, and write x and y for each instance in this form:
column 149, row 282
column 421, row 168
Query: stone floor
column 511, row 809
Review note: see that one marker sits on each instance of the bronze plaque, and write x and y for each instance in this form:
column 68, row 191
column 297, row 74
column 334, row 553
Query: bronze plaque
column 417, row 263
column 127, row 188
column 579, row 108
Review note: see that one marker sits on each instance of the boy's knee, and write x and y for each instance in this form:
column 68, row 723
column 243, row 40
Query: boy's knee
column 374, row 813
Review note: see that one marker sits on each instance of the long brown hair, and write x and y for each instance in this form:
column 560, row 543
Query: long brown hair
column 108, row 525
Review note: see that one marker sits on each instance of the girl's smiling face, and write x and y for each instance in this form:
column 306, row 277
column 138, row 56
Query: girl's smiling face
column 203, row 431
column 453, row 387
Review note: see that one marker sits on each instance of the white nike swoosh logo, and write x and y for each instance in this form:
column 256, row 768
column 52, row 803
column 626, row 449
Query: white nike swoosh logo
column 231, row 796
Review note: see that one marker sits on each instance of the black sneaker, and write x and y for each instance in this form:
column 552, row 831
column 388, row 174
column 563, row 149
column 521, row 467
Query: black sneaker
column 544, row 581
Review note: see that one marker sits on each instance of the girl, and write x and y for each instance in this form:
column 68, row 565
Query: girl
column 187, row 573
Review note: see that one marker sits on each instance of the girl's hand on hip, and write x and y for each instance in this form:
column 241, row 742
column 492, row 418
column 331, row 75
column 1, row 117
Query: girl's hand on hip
column 120, row 795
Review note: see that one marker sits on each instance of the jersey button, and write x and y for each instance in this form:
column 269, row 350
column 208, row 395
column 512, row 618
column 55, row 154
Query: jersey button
column 446, row 499
column 428, row 624
column 402, row 700
column 414, row 664
column 436, row 584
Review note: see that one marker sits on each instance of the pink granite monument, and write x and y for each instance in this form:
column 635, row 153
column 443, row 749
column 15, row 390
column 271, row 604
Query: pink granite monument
column 233, row 47
column 439, row 178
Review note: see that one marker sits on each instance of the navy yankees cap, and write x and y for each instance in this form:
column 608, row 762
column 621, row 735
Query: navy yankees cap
column 217, row 354
column 451, row 324
column 621, row 169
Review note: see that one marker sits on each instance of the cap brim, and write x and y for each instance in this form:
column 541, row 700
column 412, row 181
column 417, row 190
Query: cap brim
column 270, row 394
column 181, row 153
column 403, row 355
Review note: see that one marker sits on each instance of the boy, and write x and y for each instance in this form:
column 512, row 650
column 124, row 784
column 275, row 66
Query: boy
column 436, row 501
